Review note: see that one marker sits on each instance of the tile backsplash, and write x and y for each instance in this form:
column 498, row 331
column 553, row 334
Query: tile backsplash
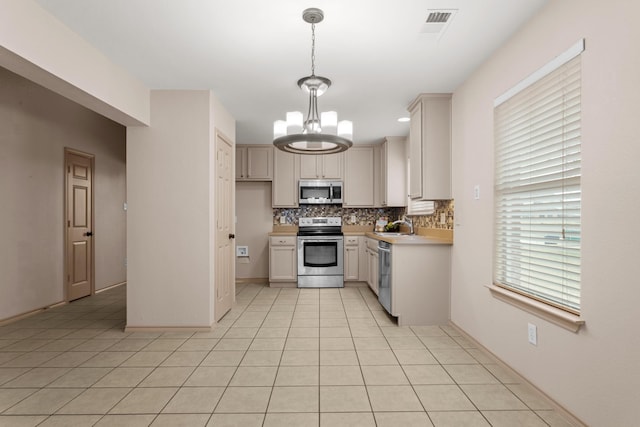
column 433, row 221
column 363, row 216
column 366, row 216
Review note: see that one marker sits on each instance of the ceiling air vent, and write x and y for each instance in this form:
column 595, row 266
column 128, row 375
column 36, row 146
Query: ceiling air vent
column 437, row 21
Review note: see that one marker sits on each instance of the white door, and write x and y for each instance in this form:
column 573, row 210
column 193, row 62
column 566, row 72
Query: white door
column 224, row 233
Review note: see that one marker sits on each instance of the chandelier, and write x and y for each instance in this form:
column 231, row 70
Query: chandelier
column 320, row 133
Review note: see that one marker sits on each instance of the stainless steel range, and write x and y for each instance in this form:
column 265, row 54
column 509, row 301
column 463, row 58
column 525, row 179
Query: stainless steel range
column 320, row 253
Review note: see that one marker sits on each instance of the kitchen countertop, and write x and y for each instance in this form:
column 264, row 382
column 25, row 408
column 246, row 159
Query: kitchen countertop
column 284, row 230
column 413, row 239
column 423, row 236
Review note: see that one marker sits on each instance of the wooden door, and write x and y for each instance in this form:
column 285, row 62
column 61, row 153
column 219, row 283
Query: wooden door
column 79, row 224
column 224, row 263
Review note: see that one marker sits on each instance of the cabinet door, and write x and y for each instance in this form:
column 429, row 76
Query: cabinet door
column 375, row 272
column 377, row 176
column 282, row 263
column 241, row 161
column 430, row 147
column 359, row 177
column 331, row 166
column 394, row 165
column 384, row 187
column 415, row 153
column 351, row 263
column 309, row 166
column 259, row 163
column 372, row 264
column 285, row 181
column 436, row 148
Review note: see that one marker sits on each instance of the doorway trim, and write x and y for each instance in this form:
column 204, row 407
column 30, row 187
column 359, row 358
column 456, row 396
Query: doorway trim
column 65, row 266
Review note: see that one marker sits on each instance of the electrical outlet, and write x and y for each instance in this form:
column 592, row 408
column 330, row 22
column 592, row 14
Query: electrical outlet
column 353, row 219
column 283, row 219
column 476, row 192
column 443, row 218
column 532, row 331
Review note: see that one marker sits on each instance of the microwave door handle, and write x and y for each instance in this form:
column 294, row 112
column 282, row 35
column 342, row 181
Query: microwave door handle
column 331, row 193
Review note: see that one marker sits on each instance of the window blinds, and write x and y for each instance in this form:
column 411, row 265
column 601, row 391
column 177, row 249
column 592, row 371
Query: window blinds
column 537, row 189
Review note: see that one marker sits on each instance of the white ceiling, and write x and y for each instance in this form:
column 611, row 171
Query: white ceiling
column 252, row 52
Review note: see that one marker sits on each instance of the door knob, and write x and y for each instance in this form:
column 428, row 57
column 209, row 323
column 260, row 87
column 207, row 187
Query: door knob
column 232, row 236
column 89, row 233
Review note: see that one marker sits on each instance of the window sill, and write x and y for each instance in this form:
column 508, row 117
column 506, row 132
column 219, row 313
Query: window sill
column 554, row 315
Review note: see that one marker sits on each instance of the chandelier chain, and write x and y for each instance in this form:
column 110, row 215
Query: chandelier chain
column 313, row 49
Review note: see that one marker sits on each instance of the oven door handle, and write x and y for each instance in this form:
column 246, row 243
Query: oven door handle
column 320, row 240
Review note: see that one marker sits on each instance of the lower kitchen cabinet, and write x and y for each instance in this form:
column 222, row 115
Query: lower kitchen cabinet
column 372, row 264
column 351, row 258
column 283, row 260
column 420, row 281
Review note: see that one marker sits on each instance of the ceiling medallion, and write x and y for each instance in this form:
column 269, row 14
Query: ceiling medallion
column 320, row 133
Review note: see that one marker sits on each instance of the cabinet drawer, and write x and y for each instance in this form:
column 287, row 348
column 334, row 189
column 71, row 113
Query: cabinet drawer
column 283, row 240
column 351, row 240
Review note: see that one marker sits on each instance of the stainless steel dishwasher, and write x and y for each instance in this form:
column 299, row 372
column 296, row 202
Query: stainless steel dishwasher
column 384, row 275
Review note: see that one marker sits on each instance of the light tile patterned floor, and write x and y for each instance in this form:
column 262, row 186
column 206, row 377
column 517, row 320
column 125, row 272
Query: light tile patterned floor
column 281, row 357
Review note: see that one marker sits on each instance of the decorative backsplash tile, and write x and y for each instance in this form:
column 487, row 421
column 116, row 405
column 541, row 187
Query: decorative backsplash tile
column 433, row 221
column 367, row 216
column 363, row 216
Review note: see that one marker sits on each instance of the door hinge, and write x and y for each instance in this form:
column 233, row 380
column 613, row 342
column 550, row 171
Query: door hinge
column 68, row 278
column 68, row 169
column 68, row 223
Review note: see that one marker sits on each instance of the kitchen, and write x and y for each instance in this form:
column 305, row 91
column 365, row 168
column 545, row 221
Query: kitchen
column 593, row 372
column 372, row 184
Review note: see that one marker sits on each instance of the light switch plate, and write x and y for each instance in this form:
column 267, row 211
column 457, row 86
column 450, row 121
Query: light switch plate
column 476, row 192
column 532, row 332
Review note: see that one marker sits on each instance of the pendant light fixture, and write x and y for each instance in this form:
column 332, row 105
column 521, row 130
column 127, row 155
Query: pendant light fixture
column 320, row 133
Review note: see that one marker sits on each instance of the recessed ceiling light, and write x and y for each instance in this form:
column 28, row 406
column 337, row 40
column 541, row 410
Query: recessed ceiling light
column 404, row 119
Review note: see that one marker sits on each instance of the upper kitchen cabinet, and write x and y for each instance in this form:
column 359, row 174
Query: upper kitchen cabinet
column 326, row 166
column 392, row 172
column 254, row 163
column 285, row 180
column 359, row 177
column 430, row 147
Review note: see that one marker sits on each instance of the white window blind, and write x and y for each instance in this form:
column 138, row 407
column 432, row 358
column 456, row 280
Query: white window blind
column 537, row 189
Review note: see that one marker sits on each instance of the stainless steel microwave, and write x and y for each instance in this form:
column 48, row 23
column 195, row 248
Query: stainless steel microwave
column 319, row 192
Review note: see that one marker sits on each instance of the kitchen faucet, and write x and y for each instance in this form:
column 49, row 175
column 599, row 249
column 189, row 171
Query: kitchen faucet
column 405, row 220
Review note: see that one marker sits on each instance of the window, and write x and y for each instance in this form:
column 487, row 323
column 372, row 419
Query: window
column 537, row 185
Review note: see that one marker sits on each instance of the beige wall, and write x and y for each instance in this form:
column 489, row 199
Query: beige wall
column 35, row 127
column 255, row 222
column 170, row 184
column 37, row 46
column 595, row 372
column 168, row 233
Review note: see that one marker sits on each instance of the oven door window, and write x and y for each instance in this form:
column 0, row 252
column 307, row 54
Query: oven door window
column 320, row 254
